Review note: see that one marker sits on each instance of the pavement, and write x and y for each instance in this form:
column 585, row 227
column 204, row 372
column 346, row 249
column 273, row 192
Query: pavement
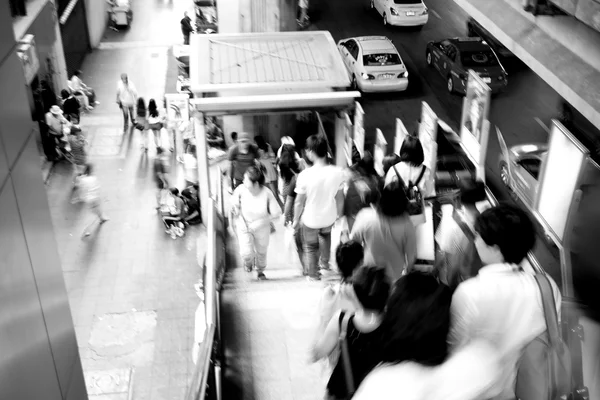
column 130, row 286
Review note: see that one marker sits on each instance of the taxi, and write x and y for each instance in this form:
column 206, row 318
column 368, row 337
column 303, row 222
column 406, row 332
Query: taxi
column 401, row 12
column 373, row 64
column 453, row 58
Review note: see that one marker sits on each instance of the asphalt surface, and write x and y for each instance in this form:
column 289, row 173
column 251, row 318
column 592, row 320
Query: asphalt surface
column 519, row 112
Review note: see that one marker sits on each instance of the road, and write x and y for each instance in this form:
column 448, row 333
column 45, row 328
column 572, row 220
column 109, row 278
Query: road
column 517, row 112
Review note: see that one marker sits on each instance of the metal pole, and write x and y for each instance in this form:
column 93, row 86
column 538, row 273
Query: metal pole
column 340, row 139
column 203, row 171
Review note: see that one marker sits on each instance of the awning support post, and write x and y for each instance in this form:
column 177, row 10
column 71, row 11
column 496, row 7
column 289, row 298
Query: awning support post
column 202, row 157
column 340, row 139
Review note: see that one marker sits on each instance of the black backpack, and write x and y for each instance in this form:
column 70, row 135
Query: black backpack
column 413, row 193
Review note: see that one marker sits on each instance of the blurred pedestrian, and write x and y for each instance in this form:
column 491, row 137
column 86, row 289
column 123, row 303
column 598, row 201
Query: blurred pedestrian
column 77, row 143
column 318, row 205
column 242, row 155
column 89, row 192
column 161, row 173
column 84, row 93
column 362, row 188
column 48, row 96
column 186, row 28
column 389, row 161
column 503, row 303
column 156, row 122
column 255, row 206
column 70, row 107
column 414, row 352
column 142, row 121
column 386, row 232
column 360, row 330
column 126, row 99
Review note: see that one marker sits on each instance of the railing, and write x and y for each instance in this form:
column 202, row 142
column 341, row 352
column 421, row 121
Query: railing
column 206, row 379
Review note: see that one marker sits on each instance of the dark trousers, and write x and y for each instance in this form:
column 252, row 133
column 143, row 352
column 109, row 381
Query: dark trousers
column 186, row 38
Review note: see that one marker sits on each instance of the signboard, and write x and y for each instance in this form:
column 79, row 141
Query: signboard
column 428, row 135
column 475, row 106
column 178, row 109
column 401, row 134
column 359, row 130
column 474, row 125
column 379, row 151
column 559, row 179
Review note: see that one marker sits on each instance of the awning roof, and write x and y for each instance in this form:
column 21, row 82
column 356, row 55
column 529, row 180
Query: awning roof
column 274, row 103
column 263, row 62
column 562, row 51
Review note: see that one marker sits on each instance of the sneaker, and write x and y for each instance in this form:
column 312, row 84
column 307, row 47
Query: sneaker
column 103, row 220
column 86, row 234
column 261, row 277
column 248, row 268
column 313, row 278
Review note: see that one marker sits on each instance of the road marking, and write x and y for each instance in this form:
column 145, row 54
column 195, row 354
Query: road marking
column 435, row 13
column 539, row 121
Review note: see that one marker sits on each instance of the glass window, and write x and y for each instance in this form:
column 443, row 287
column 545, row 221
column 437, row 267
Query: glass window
column 451, row 53
column 485, row 58
column 353, row 49
column 373, row 60
column 532, row 166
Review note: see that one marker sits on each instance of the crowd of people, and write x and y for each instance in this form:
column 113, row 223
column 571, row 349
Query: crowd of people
column 389, row 328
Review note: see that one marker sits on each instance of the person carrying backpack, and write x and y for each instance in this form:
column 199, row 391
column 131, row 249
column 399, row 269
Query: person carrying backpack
column 511, row 308
column 415, row 177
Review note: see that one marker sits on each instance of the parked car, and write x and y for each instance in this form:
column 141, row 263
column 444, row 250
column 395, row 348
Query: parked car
column 474, row 29
column 520, row 169
column 373, row 64
column 401, row 12
column 453, row 58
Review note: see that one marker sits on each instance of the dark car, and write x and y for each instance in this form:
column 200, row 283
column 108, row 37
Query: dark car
column 453, row 58
column 474, row 29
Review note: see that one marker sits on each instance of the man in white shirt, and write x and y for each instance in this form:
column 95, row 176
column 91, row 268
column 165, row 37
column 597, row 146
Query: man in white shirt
column 126, row 99
column 502, row 304
column 318, row 204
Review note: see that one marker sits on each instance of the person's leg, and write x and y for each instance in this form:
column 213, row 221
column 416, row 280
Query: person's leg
column 261, row 244
column 310, row 243
column 186, row 39
column 125, row 111
column 288, row 209
column 97, row 210
column 131, row 114
column 91, row 96
column 300, row 249
column 246, row 245
column 350, row 220
column 157, row 141
column 324, row 235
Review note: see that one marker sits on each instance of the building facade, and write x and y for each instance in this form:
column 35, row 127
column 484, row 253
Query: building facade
column 37, row 340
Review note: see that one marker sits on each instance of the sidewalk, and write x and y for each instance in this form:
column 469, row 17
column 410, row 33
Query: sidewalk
column 131, row 287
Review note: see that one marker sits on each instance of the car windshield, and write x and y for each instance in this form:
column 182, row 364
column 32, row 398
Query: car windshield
column 373, row 60
column 413, row 2
column 478, row 59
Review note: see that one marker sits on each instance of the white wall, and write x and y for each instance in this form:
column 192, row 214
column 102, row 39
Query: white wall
column 97, row 18
column 228, row 15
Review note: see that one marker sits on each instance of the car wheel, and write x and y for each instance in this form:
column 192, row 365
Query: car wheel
column 428, row 59
column 385, row 21
column 450, row 85
column 372, row 5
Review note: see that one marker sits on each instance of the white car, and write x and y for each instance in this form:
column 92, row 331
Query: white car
column 402, row 12
column 374, row 64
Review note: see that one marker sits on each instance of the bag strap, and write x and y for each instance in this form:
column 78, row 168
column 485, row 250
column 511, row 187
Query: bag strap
column 549, row 306
column 420, row 176
column 400, row 178
column 347, row 364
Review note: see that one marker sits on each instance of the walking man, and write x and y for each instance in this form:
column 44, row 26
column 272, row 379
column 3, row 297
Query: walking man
column 126, row 99
column 319, row 203
column 242, row 155
column 186, row 28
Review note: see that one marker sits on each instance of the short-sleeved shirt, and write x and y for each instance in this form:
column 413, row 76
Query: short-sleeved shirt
column 242, row 161
column 320, row 184
column 388, row 242
column 256, row 209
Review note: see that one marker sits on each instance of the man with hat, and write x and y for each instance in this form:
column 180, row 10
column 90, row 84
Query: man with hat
column 242, row 155
column 56, row 122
